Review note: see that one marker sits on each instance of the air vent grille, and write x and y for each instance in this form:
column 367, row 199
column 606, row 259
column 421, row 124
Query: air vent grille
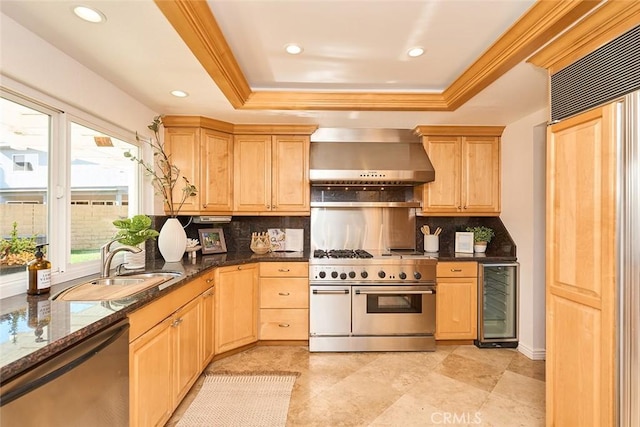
column 605, row 74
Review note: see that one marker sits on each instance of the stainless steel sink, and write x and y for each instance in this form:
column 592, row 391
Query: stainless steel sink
column 117, row 287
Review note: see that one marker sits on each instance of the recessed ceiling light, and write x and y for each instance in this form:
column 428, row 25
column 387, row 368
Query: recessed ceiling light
column 415, row 52
column 89, row 14
column 293, row 49
column 179, row 93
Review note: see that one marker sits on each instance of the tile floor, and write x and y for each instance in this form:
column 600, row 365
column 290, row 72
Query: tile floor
column 453, row 386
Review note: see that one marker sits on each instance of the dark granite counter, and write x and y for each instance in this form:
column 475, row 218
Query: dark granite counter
column 35, row 328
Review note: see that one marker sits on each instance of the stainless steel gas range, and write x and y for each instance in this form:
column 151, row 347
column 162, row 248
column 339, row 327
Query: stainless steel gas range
column 371, row 301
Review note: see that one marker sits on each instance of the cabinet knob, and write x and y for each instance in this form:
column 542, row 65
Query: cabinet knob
column 459, row 207
column 239, row 267
column 456, row 270
column 176, row 323
column 284, row 294
column 209, row 280
column 204, row 205
column 283, row 325
column 284, row 270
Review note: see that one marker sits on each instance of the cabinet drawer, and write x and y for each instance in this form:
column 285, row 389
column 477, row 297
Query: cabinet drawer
column 284, row 324
column 284, row 293
column 457, row 269
column 284, row 269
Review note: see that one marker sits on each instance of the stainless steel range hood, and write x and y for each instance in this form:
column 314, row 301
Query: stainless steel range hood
column 390, row 157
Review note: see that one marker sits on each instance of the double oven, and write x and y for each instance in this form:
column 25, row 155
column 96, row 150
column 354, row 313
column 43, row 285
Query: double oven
column 371, row 301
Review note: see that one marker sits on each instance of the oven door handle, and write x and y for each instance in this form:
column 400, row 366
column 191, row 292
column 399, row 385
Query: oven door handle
column 359, row 292
column 331, row 292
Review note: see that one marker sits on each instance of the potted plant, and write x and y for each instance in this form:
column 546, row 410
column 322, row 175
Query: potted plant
column 481, row 237
column 133, row 232
column 172, row 240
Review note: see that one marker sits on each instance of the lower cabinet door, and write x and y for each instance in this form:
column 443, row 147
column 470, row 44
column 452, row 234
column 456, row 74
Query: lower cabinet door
column 150, row 365
column 186, row 341
column 284, row 324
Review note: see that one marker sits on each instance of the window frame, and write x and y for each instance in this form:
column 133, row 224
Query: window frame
column 59, row 183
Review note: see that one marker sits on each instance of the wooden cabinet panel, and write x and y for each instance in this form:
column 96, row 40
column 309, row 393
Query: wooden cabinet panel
column 581, row 270
column 457, row 301
column 443, row 194
column 236, row 307
column 186, row 335
column 205, row 158
column 150, row 387
column 290, row 176
column 481, row 175
column 467, row 164
column 284, row 293
column 284, row 269
column 284, row 324
column 207, row 327
column 252, row 178
column 271, row 174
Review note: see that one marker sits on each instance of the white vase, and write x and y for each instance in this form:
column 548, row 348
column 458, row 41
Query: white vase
column 135, row 261
column 172, row 241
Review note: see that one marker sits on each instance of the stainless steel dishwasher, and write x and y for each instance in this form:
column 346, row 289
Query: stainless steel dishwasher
column 86, row 385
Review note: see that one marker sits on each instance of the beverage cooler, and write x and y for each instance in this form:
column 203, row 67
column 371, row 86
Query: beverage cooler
column 497, row 305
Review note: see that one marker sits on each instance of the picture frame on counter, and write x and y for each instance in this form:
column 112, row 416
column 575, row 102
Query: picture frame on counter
column 464, row 242
column 212, row 241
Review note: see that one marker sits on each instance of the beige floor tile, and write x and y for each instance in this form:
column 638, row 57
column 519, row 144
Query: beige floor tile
column 499, row 411
column 497, row 357
column 447, row 387
column 521, row 389
column 478, row 374
column 522, row 365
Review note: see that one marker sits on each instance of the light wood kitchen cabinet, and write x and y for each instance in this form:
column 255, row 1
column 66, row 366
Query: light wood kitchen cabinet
column 236, row 306
column 150, row 364
column 467, row 164
column 205, row 157
column 271, row 174
column 164, row 354
column 208, row 321
column 284, row 301
column 457, row 301
column 581, row 269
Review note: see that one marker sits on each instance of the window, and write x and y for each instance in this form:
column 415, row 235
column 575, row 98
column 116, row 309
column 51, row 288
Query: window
column 63, row 180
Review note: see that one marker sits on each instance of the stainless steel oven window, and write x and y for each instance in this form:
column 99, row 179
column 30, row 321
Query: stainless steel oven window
column 394, row 303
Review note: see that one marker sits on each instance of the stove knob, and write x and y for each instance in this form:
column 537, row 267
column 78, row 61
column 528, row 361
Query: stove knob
column 343, row 276
column 322, row 274
column 334, row 274
column 402, row 275
column 417, row 275
column 381, row 274
column 364, row 274
column 352, row 274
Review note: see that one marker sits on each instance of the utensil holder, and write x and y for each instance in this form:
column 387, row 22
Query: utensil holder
column 431, row 243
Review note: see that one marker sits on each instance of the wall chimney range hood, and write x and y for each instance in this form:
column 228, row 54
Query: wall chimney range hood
column 380, row 157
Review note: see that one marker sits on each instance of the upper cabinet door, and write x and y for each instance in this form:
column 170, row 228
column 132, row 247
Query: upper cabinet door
column 252, row 176
column 216, row 160
column 183, row 146
column 443, row 194
column 290, row 173
column 480, row 174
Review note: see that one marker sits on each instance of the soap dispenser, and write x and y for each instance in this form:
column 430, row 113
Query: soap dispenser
column 39, row 273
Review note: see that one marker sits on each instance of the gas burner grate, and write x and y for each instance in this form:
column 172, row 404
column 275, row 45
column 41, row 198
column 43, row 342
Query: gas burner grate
column 341, row 253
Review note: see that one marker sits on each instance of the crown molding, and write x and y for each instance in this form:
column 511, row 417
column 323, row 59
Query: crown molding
column 599, row 27
column 195, row 23
column 197, row 122
column 495, row 131
column 268, row 129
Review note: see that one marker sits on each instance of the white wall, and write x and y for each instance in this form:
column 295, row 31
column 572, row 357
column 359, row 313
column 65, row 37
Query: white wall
column 29, row 62
column 523, row 213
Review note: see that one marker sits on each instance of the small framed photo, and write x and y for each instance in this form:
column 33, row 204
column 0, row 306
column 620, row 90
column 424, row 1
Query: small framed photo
column 212, row 240
column 464, row 242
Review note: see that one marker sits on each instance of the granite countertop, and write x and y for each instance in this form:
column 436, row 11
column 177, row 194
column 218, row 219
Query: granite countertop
column 34, row 328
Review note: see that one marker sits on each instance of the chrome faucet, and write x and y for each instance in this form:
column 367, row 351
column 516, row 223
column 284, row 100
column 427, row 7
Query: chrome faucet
column 106, row 256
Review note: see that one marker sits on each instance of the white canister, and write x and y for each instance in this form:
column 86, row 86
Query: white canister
column 431, row 243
